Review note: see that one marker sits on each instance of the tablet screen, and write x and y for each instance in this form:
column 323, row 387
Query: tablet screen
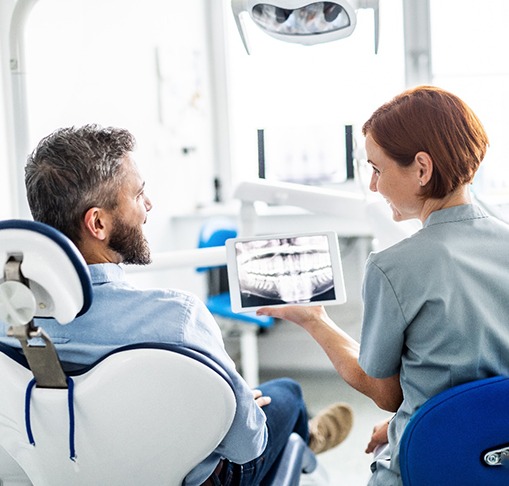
column 285, row 269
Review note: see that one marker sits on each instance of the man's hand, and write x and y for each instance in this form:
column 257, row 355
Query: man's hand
column 260, row 399
column 378, row 436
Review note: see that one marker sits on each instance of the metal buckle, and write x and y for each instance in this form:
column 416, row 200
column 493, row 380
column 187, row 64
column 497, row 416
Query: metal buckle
column 497, row 457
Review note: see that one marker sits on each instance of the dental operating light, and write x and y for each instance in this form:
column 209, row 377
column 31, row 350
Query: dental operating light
column 302, row 21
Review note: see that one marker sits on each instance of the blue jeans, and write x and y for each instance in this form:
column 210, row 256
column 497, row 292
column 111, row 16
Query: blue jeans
column 286, row 413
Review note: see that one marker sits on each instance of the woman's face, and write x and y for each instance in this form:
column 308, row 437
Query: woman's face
column 398, row 185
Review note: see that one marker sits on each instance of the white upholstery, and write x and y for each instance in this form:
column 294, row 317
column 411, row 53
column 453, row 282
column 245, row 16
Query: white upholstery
column 143, row 416
column 58, row 293
column 11, row 473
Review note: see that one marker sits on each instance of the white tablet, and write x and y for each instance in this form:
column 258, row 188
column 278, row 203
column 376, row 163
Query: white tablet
column 277, row 270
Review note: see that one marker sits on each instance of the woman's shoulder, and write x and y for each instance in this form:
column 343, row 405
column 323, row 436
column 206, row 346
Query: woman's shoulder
column 404, row 251
column 444, row 240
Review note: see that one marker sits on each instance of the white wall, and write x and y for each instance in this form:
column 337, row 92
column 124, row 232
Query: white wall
column 140, row 65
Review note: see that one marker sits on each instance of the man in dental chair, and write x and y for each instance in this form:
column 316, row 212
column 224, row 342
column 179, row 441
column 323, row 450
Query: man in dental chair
column 84, row 182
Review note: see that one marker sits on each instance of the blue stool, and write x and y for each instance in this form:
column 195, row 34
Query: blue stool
column 215, row 232
column 459, row 436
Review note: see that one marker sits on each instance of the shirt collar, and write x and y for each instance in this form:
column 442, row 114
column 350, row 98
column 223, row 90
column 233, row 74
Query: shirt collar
column 455, row 214
column 106, row 272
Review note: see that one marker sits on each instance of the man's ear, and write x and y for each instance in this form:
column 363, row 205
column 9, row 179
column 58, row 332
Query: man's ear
column 95, row 223
column 424, row 166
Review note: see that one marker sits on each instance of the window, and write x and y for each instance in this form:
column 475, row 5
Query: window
column 469, row 57
column 289, row 86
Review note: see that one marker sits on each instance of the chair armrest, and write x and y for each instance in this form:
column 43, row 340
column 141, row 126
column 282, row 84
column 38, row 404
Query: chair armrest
column 297, row 458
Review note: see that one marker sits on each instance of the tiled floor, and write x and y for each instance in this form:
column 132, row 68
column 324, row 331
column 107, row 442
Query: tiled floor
column 347, row 464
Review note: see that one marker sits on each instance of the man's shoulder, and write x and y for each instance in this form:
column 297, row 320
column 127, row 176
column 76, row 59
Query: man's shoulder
column 146, row 299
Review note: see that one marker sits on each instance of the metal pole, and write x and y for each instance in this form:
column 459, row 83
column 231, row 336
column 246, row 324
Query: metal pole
column 417, row 32
column 19, row 100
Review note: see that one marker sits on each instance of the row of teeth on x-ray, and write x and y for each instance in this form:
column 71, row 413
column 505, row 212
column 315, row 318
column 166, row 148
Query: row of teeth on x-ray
column 286, row 273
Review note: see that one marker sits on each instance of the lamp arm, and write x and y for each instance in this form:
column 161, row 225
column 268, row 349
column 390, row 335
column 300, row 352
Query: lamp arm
column 375, row 5
column 239, row 10
column 313, row 199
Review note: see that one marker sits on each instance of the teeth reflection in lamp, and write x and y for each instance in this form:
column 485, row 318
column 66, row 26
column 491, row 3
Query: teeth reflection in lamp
column 302, row 22
column 315, row 18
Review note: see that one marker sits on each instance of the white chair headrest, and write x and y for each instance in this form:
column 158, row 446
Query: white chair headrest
column 58, row 277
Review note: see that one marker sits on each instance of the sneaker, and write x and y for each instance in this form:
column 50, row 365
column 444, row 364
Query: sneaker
column 330, row 427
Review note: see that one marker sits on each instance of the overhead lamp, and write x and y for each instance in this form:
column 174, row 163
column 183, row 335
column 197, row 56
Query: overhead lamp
column 302, row 21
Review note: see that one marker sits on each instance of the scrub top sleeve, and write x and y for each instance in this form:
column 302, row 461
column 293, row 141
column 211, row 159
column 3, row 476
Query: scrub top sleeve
column 383, row 326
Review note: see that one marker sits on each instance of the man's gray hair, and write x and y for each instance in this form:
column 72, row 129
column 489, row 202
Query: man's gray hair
column 73, row 170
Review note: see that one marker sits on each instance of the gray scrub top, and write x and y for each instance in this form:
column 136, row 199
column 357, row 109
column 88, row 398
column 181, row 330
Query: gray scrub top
column 435, row 311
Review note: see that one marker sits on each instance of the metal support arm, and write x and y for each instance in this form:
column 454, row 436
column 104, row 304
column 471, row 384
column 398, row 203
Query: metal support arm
column 43, row 360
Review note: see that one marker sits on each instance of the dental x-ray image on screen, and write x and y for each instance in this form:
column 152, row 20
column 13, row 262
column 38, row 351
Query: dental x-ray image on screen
column 284, row 269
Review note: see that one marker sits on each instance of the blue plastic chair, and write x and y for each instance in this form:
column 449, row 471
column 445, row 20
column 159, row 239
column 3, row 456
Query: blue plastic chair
column 460, row 436
column 215, row 232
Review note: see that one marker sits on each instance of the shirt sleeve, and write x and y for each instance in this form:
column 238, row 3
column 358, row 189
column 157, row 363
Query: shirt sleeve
column 383, row 326
column 247, row 436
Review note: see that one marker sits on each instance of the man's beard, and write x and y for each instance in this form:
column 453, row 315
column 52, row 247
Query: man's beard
column 130, row 243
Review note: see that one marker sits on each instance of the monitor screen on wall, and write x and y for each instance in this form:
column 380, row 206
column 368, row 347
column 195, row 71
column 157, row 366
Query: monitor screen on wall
column 320, row 154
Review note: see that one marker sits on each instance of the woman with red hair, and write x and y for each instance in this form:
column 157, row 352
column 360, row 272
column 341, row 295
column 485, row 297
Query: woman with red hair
column 436, row 303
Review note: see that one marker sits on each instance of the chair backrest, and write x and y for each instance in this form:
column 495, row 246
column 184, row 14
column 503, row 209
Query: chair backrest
column 215, row 232
column 11, row 473
column 139, row 416
column 145, row 414
column 458, row 437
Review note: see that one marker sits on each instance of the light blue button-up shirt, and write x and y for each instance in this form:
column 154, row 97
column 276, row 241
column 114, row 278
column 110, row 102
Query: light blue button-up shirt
column 122, row 314
column 435, row 311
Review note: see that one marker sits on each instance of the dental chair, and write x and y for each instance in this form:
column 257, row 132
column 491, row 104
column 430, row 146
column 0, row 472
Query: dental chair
column 459, row 437
column 144, row 414
column 215, row 232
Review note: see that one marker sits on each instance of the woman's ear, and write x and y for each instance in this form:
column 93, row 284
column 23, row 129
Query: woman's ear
column 424, row 166
column 95, row 223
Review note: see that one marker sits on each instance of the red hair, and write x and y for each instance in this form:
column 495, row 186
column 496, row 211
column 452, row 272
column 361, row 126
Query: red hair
column 432, row 120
